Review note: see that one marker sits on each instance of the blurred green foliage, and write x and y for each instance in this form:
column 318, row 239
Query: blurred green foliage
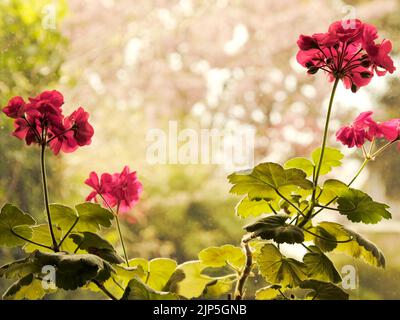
column 30, row 61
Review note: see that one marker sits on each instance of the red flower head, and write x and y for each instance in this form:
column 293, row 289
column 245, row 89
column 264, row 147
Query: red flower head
column 41, row 121
column 15, row 108
column 365, row 128
column 362, row 128
column 118, row 190
column 348, row 52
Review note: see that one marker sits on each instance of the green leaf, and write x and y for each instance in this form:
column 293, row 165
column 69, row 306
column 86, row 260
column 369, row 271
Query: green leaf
column 275, row 228
column 94, row 244
column 319, row 266
column 358, row 206
column 332, row 189
column 72, row 270
column 119, row 280
column 324, row 290
column 26, row 288
column 219, row 288
column 300, row 163
column 19, row 269
column 332, row 158
column 63, row 216
column 137, row 290
column 357, row 247
column 14, row 221
column 266, row 179
column 188, row 280
column 41, row 234
column 157, row 272
column 91, row 217
column 277, row 269
column 221, row 256
column 268, row 293
column 246, row 207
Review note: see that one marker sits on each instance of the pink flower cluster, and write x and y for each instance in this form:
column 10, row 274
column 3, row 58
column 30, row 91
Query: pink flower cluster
column 121, row 190
column 365, row 128
column 41, row 121
column 348, row 51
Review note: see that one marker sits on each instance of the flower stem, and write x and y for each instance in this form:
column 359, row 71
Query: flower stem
column 359, row 171
column 239, row 290
column 46, row 196
column 328, row 117
column 121, row 237
column 348, row 185
column 321, row 157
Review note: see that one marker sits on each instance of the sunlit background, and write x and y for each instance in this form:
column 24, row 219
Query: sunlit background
column 135, row 65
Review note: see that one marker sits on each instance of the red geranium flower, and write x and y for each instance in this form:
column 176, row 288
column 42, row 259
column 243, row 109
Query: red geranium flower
column 348, row 52
column 15, row 108
column 41, row 121
column 118, row 190
column 365, row 128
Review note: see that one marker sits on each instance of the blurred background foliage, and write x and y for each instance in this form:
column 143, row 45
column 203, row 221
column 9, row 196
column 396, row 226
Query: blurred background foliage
column 221, row 64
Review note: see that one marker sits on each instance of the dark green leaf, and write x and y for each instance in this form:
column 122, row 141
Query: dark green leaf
column 275, row 228
column 137, row 290
column 324, row 290
column 94, row 244
column 72, row 270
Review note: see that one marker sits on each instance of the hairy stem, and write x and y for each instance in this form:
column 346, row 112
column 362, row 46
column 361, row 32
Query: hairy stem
column 239, row 290
column 46, row 195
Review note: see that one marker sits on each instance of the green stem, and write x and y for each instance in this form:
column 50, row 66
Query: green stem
column 30, row 241
column 121, row 237
column 68, row 232
column 321, row 157
column 46, row 195
column 328, row 117
column 348, row 185
column 378, row 152
column 359, row 171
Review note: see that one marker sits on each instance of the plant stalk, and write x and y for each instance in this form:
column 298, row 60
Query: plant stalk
column 239, row 290
column 46, row 196
column 121, row 237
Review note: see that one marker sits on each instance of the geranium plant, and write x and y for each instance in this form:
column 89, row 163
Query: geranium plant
column 283, row 199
